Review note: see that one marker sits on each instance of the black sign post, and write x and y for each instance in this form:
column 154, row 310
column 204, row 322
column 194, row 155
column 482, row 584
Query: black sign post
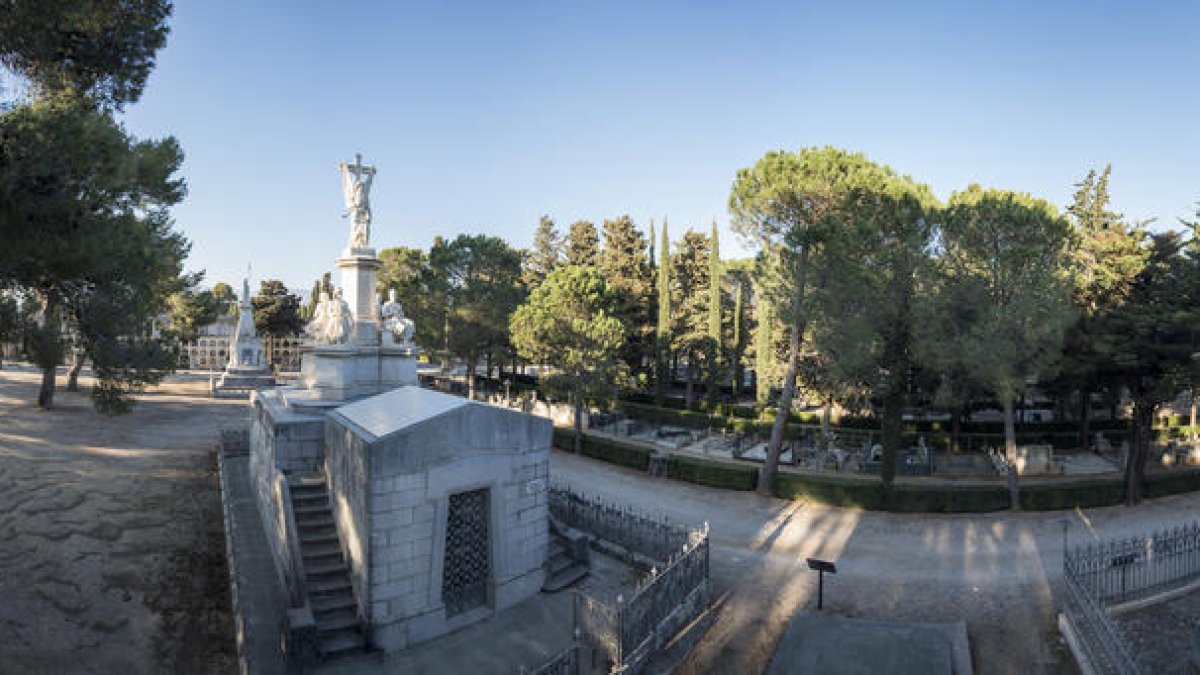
column 821, row 566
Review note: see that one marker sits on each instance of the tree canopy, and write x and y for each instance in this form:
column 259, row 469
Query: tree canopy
column 569, row 322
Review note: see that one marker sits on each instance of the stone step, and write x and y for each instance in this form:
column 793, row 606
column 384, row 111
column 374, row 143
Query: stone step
column 324, row 549
column 325, row 569
column 316, row 501
column 310, row 520
column 334, row 601
column 336, row 620
column 311, row 510
column 308, row 489
column 559, row 563
column 564, row 578
column 322, row 587
column 317, row 537
column 341, row 642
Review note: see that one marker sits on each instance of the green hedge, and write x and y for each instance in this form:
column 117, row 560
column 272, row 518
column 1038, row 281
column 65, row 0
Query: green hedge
column 1176, row 482
column 902, row 498
column 1085, row 494
column 614, row 452
column 713, row 474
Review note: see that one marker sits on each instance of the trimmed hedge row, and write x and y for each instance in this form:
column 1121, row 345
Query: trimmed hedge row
column 868, row 493
column 713, row 474
column 614, row 452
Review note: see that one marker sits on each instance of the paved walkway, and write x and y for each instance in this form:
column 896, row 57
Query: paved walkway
column 997, row 572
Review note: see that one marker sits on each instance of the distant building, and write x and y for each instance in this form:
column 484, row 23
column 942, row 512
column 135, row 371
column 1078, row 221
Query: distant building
column 210, row 351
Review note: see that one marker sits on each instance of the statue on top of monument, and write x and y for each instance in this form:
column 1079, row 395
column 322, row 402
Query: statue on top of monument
column 395, row 324
column 356, row 190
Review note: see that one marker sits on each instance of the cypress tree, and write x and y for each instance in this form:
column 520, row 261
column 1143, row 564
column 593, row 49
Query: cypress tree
column 663, row 333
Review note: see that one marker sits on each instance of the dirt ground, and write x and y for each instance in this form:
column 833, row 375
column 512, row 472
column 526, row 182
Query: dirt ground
column 111, row 540
column 1161, row 634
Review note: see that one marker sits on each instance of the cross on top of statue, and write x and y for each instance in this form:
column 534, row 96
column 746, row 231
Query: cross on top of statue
column 357, row 167
column 356, row 189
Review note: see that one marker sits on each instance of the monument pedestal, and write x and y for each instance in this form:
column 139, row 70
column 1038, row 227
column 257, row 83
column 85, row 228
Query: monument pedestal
column 347, row 372
column 359, row 269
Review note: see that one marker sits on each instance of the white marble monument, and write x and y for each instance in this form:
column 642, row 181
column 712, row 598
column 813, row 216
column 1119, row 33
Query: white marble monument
column 247, row 368
column 439, row 503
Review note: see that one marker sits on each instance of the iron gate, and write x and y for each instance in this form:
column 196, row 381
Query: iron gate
column 466, row 566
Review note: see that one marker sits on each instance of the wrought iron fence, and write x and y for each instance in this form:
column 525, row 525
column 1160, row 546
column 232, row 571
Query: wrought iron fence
column 1105, row 647
column 1122, row 570
column 1130, row 569
column 652, row 537
column 661, row 593
column 626, row 633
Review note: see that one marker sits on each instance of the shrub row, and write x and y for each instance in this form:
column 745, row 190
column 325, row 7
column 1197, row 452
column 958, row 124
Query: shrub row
column 867, row 493
column 614, row 452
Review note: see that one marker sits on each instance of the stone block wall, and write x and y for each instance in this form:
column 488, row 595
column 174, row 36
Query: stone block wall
column 280, row 442
column 402, row 484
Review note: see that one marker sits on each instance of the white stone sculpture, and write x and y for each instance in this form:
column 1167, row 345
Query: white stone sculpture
column 356, row 190
column 395, row 324
column 332, row 321
column 245, row 349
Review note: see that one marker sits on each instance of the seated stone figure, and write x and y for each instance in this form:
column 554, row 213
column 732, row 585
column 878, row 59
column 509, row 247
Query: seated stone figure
column 396, row 327
column 332, row 321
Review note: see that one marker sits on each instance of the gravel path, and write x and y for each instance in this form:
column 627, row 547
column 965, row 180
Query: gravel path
column 997, row 572
column 111, row 549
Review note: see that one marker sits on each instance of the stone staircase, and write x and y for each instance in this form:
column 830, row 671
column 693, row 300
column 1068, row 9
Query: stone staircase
column 567, row 560
column 327, row 576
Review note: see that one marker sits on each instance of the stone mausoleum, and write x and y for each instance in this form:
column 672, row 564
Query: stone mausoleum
column 394, row 513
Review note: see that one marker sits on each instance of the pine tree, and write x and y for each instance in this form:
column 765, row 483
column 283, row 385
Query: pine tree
column 544, row 256
column 627, row 273
column 583, row 244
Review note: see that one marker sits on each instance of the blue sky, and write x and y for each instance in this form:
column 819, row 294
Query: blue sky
column 483, row 116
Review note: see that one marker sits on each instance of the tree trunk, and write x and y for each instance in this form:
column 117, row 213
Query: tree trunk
column 690, row 396
column 1010, row 431
column 771, row 463
column 471, row 379
column 46, row 393
column 1192, row 414
column 1085, row 418
column 48, row 353
column 660, row 376
column 578, row 422
column 956, row 431
column 80, row 356
column 893, row 423
column 1135, row 463
column 784, row 410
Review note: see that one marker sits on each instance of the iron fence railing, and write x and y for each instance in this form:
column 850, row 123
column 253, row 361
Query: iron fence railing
column 652, row 537
column 626, row 633
column 1123, row 570
column 1098, row 575
column 1104, row 645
